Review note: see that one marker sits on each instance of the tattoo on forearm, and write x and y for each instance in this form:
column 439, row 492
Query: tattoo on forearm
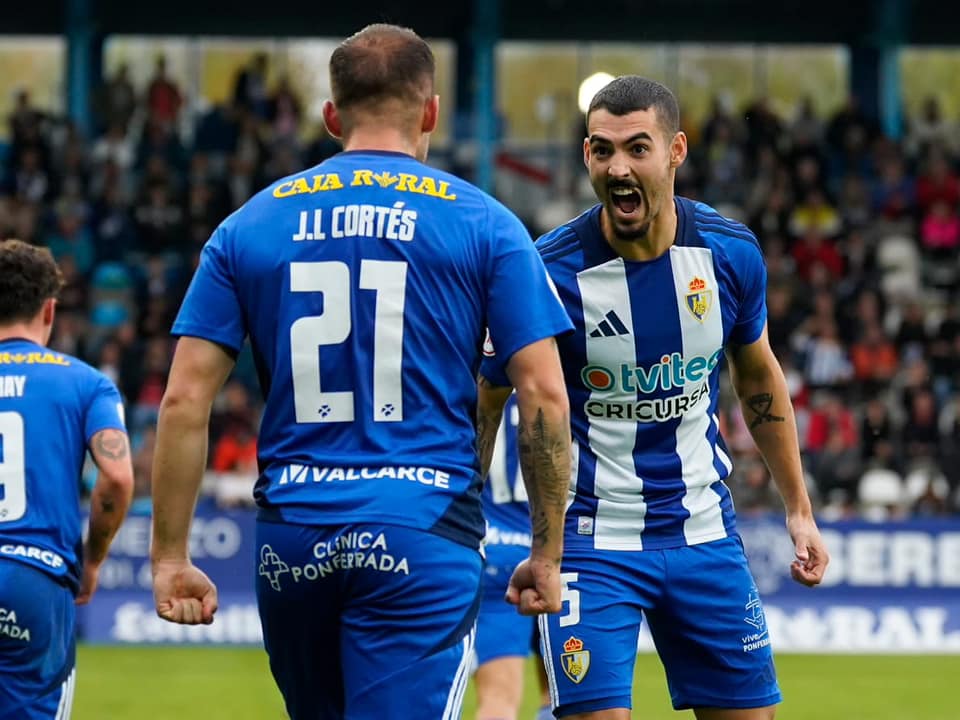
column 760, row 404
column 111, row 444
column 543, row 456
column 486, row 438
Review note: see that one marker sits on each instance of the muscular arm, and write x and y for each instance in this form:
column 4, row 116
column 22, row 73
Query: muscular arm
column 765, row 400
column 199, row 370
column 543, row 441
column 490, row 401
column 112, row 493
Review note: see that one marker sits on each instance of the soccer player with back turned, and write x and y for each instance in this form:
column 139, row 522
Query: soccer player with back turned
column 53, row 408
column 660, row 288
column 364, row 286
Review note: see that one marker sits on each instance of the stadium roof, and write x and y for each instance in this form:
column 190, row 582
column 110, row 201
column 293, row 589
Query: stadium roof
column 803, row 21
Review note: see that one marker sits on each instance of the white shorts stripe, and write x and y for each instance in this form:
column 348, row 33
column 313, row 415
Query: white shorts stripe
column 458, row 687
column 543, row 624
column 65, row 706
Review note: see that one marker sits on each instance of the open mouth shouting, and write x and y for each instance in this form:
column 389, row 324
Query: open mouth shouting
column 626, row 200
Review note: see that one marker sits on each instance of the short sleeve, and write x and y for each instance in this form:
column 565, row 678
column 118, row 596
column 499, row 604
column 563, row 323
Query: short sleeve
column 751, row 273
column 105, row 409
column 211, row 309
column 522, row 304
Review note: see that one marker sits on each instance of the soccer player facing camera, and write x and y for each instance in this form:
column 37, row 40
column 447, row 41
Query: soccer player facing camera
column 660, row 289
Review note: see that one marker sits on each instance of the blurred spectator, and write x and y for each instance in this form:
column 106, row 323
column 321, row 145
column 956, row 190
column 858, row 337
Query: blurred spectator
column 814, row 216
column 930, row 131
column 878, row 435
column 250, row 87
column 921, row 433
column 284, row 111
column 874, row 359
column 116, row 100
column 937, row 182
column 814, row 248
column 894, row 193
column 163, row 97
column 940, row 232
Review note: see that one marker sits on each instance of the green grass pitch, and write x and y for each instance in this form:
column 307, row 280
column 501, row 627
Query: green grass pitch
column 234, row 684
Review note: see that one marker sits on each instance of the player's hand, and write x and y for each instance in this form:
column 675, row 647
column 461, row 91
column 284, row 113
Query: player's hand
column 535, row 586
column 810, row 552
column 183, row 593
column 88, row 582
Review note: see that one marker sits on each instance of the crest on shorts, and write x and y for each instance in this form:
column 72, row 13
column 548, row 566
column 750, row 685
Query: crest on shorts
column 575, row 661
column 699, row 298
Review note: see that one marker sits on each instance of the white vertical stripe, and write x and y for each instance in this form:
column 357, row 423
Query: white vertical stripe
column 702, row 336
column 65, row 706
column 543, row 623
column 70, row 691
column 620, row 504
column 574, row 471
column 459, row 685
column 724, row 458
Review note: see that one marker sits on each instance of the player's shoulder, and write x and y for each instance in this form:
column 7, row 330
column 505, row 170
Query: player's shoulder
column 59, row 368
column 566, row 239
column 715, row 229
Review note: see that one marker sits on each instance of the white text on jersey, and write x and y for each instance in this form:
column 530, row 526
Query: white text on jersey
column 371, row 221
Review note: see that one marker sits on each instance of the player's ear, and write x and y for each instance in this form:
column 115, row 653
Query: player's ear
column 678, row 149
column 331, row 118
column 431, row 113
column 586, row 152
column 48, row 312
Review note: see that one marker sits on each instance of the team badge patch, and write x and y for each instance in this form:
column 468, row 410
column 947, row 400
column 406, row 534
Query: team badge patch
column 575, row 661
column 699, row 298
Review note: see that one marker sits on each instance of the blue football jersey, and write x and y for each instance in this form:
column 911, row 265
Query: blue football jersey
column 364, row 285
column 51, row 405
column 504, row 494
column 642, row 371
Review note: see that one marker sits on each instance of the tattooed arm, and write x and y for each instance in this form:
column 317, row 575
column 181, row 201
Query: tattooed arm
column 543, row 444
column 490, row 401
column 109, row 502
column 765, row 401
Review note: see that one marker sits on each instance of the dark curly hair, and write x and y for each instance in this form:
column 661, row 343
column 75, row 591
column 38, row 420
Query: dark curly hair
column 28, row 277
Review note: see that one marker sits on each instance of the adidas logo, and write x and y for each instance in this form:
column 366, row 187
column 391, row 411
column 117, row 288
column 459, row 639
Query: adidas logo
column 610, row 327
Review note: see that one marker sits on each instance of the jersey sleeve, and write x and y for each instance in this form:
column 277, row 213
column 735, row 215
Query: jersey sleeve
column 522, row 304
column 105, row 409
column 751, row 274
column 211, row 309
column 491, row 367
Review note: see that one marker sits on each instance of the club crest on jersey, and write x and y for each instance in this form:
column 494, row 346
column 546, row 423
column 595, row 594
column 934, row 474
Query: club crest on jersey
column 575, row 661
column 699, row 298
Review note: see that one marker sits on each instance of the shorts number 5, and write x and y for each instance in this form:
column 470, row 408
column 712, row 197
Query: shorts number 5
column 571, row 597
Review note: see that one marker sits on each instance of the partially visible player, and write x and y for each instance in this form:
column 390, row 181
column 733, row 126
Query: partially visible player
column 53, row 408
column 505, row 639
column 660, row 290
column 365, row 285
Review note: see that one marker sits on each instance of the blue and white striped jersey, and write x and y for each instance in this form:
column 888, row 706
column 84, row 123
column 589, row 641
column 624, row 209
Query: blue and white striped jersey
column 642, row 371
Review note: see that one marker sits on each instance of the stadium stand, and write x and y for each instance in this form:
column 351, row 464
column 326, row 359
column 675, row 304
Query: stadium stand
column 860, row 233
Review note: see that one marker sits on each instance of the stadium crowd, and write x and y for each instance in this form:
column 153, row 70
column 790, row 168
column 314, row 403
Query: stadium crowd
column 861, row 235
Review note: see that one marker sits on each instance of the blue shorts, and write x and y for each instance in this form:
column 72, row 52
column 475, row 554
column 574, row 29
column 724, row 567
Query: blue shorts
column 704, row 614
column 366, row 621
column 501, row 630
column 37, row 645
